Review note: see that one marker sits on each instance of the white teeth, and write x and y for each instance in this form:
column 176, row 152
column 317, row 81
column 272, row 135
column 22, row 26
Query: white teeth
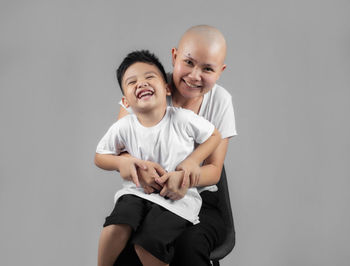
column 144, row 93
column 191, row 85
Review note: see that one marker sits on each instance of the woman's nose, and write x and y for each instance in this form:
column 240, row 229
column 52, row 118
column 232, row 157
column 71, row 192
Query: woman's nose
column 195, row 74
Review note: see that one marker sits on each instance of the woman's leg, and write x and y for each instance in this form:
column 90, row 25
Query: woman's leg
column 147, row 258
column 194, row 245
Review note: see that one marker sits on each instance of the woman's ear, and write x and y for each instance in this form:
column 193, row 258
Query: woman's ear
column 125, row 102
column 223, row 67
column 173, row 55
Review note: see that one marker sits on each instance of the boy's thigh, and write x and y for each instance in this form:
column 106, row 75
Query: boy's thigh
column 158, row 232
column 129, row 209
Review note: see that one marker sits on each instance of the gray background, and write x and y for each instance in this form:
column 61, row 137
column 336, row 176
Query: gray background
column 288, row 71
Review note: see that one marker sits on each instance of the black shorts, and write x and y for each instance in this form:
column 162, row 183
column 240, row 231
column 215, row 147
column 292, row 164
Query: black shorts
column 155, row 228
column 193, row 244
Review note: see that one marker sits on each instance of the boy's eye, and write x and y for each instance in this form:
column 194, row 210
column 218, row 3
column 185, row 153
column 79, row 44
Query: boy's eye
column 150, row 77
column 131, row 82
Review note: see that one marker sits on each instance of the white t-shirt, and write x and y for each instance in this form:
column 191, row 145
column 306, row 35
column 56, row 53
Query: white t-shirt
column 167, row 143
column 217, row 108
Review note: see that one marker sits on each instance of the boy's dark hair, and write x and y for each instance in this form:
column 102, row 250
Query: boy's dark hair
column 143, row 56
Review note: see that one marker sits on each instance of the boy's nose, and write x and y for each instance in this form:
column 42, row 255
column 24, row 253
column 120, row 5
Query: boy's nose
column 142, row 84
column 195, row 74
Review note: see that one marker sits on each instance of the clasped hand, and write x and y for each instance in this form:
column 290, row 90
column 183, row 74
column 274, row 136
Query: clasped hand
column 154, row 179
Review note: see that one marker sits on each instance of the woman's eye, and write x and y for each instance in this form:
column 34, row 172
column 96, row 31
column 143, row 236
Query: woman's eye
column 208, row 69
column 189, row 62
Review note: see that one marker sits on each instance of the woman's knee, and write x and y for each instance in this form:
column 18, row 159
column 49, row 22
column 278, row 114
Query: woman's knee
column 192, row 241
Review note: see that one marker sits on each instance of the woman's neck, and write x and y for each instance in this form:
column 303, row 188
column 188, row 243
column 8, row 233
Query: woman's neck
column 193, row 104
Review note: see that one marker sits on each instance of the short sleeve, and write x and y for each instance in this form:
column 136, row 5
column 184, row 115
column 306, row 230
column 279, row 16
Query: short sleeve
column 219, row 111
column 227, row 124
column 111, row 142
column 198, row 127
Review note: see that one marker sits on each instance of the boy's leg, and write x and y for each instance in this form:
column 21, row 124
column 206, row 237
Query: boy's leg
column 128, row 257
column 126, row 217
column 112, row 241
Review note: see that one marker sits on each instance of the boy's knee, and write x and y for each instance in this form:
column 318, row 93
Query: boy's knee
column 121, row 231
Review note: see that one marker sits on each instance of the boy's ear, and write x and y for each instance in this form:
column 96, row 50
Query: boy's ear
column 168, row 90
column 125, row 102
column 173, row 55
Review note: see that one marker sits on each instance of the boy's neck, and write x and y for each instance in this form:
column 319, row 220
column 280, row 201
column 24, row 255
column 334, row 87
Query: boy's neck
column 193, row 104
column 152, row 117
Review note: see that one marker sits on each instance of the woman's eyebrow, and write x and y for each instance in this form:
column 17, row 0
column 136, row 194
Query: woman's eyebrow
column 209, row 65
column 188, row 56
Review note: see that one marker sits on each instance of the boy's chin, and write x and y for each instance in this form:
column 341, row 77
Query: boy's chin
column 144, row 108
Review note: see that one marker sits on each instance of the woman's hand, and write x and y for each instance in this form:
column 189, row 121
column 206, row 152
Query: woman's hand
column 191, row 170
column 172, row 183
column 147, row 176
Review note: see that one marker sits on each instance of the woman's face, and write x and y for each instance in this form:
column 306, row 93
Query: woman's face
column 197, row 67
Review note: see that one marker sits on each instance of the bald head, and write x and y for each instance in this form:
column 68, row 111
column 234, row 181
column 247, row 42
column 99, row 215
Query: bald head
column 207, row 36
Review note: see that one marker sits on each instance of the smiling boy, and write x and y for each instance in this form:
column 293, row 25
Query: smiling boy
column 154, row 132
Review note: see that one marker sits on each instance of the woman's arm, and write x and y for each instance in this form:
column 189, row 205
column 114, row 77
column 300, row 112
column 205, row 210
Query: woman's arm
column 191, row 165
column 212, row 166
column 122, row 112
column 210, row 173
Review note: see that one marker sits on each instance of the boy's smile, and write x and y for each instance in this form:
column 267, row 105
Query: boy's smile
column 144, row 93
column 144, row 88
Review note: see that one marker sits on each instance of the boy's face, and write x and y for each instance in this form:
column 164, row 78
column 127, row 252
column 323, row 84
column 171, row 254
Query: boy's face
column 144, row 88
column 197, row 67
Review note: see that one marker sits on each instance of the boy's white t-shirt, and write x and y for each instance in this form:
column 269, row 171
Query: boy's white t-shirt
column 217, row 108
column 167, row 143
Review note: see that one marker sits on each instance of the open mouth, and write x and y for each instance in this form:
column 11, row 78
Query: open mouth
column 144, row 93
column 191, row 85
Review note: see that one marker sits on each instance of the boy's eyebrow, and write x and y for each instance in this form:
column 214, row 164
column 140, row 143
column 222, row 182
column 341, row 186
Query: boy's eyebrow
column 132, row 77
column 150, row 72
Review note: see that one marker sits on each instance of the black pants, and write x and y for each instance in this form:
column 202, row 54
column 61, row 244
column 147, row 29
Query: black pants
column 194, row 245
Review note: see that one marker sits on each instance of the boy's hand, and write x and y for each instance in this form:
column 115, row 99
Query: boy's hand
column 128, row 169
column 148, row 176
column 173, row 187
column 191, row 172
